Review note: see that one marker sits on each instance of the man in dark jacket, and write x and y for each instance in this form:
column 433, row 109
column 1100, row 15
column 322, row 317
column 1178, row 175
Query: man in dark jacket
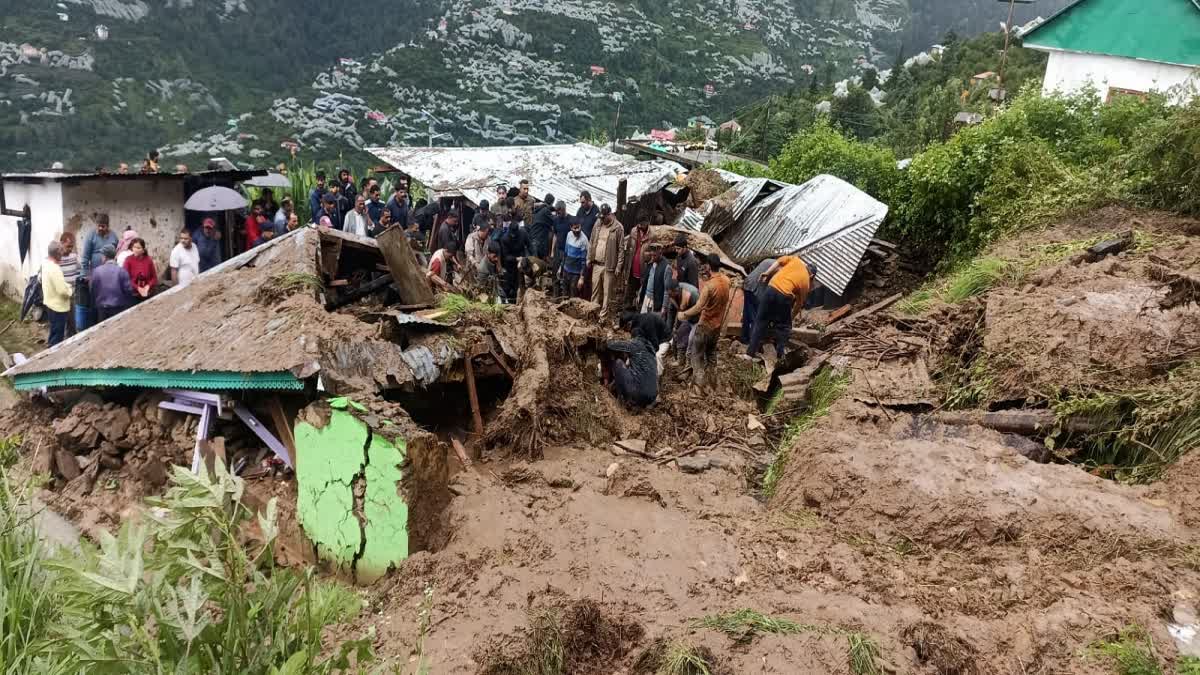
column 587, row 214
column 447, row 232
column 349, row 190
column 654, row 281
column 541, row 230
column 398, row 205
column 686, row 265
column 634, row 371
column 514, row 245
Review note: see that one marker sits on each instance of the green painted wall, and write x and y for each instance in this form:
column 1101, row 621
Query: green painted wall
column 329, row 460
column 385, row 510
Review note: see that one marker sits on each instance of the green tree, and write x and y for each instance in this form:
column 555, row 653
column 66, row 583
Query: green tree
column 855, row 112
column 823, row 149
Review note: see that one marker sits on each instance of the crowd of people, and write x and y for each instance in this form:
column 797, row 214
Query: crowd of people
column 110, row 274
column 671, row 298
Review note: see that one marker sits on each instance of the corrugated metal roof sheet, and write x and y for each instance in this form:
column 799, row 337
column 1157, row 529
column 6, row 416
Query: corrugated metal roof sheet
column 720, row 216
column 826, row 221
column 562, row 170
column 1167, row 31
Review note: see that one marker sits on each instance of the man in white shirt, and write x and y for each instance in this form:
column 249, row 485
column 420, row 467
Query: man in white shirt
column 185, row 260
column 356, row 221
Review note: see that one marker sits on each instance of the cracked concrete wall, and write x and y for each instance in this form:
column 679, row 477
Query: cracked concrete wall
column 349, row 500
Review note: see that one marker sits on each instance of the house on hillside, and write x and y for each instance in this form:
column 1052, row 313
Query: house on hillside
column 60, row 201
column 1122, row 48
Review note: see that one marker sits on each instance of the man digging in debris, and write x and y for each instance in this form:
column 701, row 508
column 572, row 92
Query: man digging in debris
column 710, row 308
column 634, row 368
column 442, row 265
column 789, row 282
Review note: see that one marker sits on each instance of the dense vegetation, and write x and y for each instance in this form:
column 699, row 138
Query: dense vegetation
column 1032, row 158
column 179, row 590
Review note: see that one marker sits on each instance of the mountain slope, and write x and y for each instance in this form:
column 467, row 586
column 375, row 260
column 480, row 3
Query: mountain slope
column 95, row 82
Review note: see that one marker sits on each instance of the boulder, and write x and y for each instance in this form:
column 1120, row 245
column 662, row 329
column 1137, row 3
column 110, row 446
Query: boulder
column 67, row 465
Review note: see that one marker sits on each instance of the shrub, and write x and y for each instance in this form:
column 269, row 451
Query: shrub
column 1163, row 167
column 823, row 149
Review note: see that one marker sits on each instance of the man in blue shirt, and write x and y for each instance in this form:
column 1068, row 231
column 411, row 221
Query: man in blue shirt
column 398, row 206
column 314, row 197
column 111, row 289
column 208, row 244
column 375, row 205
column 587, row 214
column 96, row 240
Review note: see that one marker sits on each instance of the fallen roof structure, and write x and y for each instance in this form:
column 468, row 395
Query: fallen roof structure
column 210, row 334
column 827, row 222
column 562, row 170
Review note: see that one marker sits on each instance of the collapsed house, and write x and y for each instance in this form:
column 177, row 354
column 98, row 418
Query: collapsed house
column 827, row 222
column 253, row 344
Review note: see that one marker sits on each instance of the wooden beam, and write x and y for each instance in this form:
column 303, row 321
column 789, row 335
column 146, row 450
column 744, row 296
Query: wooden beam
column 476, row 415
column 406, row 271
column 282, row 428
column 879, row 306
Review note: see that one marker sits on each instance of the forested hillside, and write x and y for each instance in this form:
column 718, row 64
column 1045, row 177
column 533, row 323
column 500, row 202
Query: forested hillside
column 96, row 82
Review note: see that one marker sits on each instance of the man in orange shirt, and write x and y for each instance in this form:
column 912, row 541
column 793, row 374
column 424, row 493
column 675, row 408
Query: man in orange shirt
column 714, row 300
column 789, row 282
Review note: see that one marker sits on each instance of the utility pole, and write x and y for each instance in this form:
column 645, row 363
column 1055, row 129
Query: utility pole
column 1008, row 27
column 616, row 127
column 762, row 150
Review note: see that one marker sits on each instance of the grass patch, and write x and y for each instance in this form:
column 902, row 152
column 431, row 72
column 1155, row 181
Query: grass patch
column 681, row 658
column 457, row 306
column 1189, row 665
column 967, row 385
column 744, row 624
column 1130, row 652
column 744, row 375
column 1144, row 430
column 826, row 388
column 773, row 402
column 864, row 654
column 9, row 451
column 973, row 278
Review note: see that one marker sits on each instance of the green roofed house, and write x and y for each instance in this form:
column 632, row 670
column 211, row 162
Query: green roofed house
column 1122, row 48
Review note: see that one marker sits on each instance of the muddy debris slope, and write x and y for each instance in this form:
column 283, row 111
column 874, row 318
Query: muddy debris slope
column 932, row 513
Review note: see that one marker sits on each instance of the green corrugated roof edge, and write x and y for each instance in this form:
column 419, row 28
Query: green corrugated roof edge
column 157, row 379
column 1104, row 27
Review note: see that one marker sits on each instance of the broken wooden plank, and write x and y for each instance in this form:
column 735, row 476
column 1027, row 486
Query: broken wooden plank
column 374, row 286
column 502, row 362
column 476, row 415
column 837, row 314
column 331, row 253
column 283, row 428
column 1023, row 422
column 461, row 452
column 885, row 244
column 339, row 282
column 406, row 271
column 804, row 375
column 879, row 306
column 807, row 336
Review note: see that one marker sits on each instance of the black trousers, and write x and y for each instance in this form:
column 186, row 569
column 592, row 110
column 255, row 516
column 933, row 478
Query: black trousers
column 774, row 315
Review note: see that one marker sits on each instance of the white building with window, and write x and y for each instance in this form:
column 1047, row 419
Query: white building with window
column 1122, row 47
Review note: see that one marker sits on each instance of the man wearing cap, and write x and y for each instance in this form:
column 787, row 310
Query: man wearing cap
column 687, row 268
column 96, row 240
column 710, row 308
column 111, row 288
column 789, row 283
column 328, row 210
column 604, row 254
column 208, row 243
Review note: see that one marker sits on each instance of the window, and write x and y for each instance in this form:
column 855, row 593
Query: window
column 1115, row 93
